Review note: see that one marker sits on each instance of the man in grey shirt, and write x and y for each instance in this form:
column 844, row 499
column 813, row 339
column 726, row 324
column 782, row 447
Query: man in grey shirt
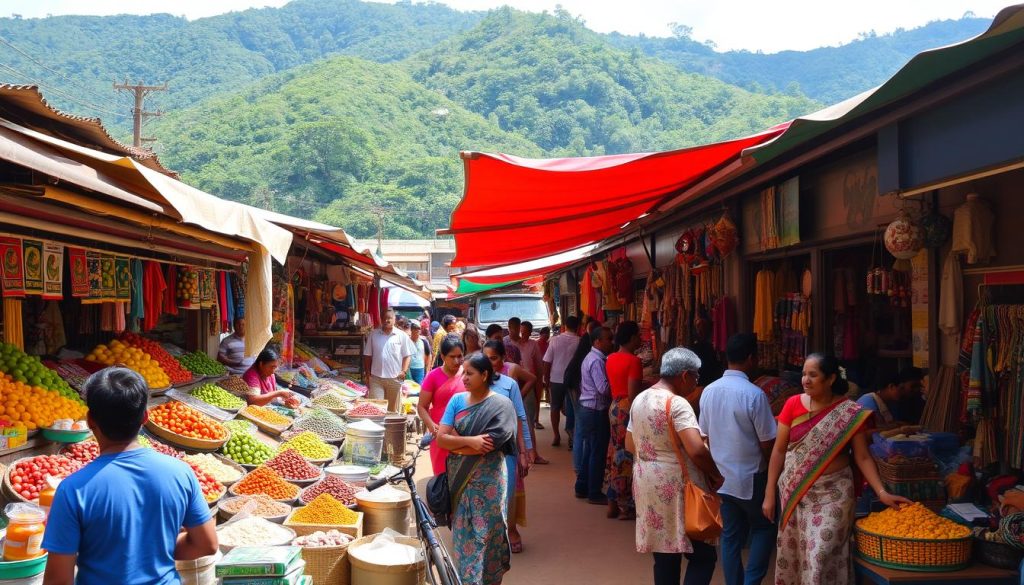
column 737, row 418
column 232, row 350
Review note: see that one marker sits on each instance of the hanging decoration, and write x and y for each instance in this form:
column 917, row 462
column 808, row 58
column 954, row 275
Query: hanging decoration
column 936, row 229
column 123, row 279
column 94, row 269
column 79, row 273
column 13, row 268
column 726, row 236
column 903, row 239
column 33, row 257
column 108, row 279
column 53, row 272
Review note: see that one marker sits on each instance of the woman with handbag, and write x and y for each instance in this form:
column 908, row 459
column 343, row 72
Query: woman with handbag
column 478, row 430
column 676, row 507
column 820, row 433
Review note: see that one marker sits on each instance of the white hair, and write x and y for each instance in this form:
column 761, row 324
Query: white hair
column 678, row 360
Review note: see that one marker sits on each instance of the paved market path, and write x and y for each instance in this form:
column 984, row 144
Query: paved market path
column 568, row 541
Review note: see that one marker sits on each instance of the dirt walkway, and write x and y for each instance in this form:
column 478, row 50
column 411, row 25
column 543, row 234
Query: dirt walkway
column 568, row 541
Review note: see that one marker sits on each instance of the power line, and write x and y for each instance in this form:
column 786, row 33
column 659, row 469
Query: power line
column 62, row 93
column 139, row 116
column 28, row 56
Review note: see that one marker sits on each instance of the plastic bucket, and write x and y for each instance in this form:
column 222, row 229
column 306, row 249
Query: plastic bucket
column 380, row 515
column 364, row 442
column 367, row 573
column 201, row 571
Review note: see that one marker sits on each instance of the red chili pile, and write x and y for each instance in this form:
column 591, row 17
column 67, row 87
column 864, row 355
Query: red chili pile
column 339, row 488
column 28, row 477
column 367, row 409
column 84, row 452
column 172, row 367
column 291, row 465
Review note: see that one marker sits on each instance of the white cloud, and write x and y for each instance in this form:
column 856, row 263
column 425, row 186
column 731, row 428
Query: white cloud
column 740, row 24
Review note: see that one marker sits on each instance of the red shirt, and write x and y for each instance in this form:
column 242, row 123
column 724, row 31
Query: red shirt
column 622, row 368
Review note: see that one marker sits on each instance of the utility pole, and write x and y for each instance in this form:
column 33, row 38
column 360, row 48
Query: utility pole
column 140, row 91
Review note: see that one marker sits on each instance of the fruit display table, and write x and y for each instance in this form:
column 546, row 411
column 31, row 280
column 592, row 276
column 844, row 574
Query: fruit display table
column 974, row 575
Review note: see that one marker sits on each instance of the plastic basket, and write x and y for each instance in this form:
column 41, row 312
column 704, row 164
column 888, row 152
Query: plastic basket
column 912, row 554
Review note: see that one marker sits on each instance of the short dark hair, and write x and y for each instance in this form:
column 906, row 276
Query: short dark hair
column 447, row 320
column 514, row 321
column 626, row 331
column 497, row 346
column 545, row 331
column 740, row 347
column 117, row 399
column 492, row 329
column 572, row 323
column 266, row 356
column 528, row 325
column 483, row 365
column 598, row 333
column 450, row 342
column 910, row 374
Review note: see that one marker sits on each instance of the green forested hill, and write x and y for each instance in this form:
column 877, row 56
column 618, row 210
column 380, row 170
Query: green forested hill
column 566, row 89
column 338, row 141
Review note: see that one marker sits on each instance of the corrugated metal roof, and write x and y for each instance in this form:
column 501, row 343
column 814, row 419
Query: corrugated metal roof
column 25, row 105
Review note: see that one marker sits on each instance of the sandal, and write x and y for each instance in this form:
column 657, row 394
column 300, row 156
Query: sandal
column 516, row 547
column 540, row 460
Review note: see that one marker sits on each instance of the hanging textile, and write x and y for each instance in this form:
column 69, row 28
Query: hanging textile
column 764, row 286
column 609, row 295
column 135, row 310
column 230, row 290
column 240, row 286
column 288, row 333
column 153, row 287
column 108, row 279
column 951, row 300
column 13, row 328
column 973, row 231
column 123, row 274
column 171, row 292
column 222, row 301
column 723, row 321
column 79, row 272
column 12, row 267
column 257, row 304
column 32, row 253
column 53, row 271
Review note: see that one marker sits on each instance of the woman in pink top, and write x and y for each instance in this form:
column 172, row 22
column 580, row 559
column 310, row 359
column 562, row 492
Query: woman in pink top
column 437, row 389
column 262, row 386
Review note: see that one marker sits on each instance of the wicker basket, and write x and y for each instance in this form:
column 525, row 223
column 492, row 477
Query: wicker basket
column 895, row 472
column 176, row 440
column 263, row 425
column 327, row 565
column 998, row 554
column 9, row 494
column 353, row 530
column 911, row 554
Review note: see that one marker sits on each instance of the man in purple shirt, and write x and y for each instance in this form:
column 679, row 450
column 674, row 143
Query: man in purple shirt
column 592, row 421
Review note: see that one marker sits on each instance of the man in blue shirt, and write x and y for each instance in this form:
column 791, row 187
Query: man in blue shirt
column 884, row 402
column 119, row 518
column 737, row 418
column 593, row 426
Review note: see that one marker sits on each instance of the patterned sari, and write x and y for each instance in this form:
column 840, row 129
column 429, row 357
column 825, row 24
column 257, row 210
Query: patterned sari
column 618, row 469
column 817, row 510
column 479, row 488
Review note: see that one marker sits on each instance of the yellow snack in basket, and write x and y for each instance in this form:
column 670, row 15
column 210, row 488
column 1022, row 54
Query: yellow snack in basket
column 913, row 521
column 266, row 415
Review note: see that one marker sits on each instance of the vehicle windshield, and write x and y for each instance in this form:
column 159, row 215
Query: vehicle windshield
column 501, row 309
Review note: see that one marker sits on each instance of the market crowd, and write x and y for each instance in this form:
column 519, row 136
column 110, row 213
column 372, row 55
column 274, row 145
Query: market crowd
column 785, row 481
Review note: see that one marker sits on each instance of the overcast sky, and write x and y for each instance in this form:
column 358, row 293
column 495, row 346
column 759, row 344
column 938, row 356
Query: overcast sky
column 738, row 24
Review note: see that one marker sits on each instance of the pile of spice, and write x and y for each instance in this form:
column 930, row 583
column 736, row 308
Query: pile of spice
column 309, row 446
column 367, row 409
column 265, row 507
column 264, row 480
column 266, row 415
column 324, row 510
column 290, row 464
column 336, row 487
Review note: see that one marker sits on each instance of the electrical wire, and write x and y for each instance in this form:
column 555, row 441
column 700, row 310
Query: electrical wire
column 62, row 93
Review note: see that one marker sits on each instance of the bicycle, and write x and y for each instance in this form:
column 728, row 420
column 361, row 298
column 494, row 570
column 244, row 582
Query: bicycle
column 440, row 568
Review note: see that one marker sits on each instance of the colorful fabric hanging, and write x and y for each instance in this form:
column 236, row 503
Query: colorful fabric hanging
column 153, row 289
column 12, row 267
column 229, row 280
column 171, row 292
column 723, row 322
column 136, row 310
column 222, row 301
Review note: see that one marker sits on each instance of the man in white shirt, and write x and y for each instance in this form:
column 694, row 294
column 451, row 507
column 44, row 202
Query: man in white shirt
column 556, row 359
column 737, row 418
column 232, row 350
column 387, row 354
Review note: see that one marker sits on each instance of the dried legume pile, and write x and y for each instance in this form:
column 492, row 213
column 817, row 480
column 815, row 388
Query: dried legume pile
column 341, row 490
column 321, row 539
column 217, row 396
column 309, row 446
column 367, row 409
column 329, row 400
column 291, row 465
column 264, row 480
column 326, row 510
column 323, row 423
column 218, row 469
column 235, row 385
column 266, row 415
column 265, row 507
column 254, row 532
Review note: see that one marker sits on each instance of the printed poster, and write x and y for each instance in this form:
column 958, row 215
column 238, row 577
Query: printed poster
column 108, row 279
column 79, row 272
column 32, row 253
column 919, row 322
column 53, row 271
column 94, row 269
column 13, row 271
column 122, row 278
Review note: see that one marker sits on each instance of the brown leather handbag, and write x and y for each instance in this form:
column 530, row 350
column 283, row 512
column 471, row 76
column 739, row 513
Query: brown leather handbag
column 702, row 511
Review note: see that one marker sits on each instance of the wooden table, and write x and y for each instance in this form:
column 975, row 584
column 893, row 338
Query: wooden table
column 975, row 574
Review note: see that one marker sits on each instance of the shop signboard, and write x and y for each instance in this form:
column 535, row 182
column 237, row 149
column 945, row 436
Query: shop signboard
column 12, row 267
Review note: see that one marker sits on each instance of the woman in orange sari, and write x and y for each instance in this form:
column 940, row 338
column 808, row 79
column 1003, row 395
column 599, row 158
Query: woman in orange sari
column 820, row 433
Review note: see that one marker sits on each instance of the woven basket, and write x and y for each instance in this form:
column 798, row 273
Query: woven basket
column 353, row 530
column 262, row 425
column 998, row 554
column 176, row 440
column 8, row 490
column 327, row 565
column 907, row 472
column 911, row 554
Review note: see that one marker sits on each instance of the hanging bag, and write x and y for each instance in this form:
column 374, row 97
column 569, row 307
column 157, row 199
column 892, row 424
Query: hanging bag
column 702, row 511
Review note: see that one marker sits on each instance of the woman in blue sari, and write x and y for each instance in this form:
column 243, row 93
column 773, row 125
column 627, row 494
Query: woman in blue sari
column 478, row 430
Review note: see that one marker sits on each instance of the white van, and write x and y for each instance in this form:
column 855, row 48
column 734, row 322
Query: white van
column 488, row 309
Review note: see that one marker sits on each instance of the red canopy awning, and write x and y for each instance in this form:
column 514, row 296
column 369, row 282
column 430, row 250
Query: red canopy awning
column 516, row 209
